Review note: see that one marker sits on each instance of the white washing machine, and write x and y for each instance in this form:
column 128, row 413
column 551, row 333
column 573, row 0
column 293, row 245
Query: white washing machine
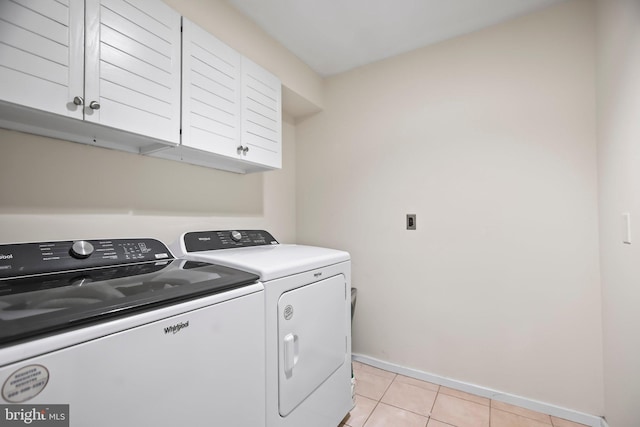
column 116, row 332
column 307, row 321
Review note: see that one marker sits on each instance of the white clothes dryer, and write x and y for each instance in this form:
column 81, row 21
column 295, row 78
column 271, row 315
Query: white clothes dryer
column 307, row 320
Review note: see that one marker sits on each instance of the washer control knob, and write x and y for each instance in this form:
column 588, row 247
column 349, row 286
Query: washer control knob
column 81, row 249
column 236, row 236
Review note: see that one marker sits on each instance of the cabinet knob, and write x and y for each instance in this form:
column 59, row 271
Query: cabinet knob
column 245, row 150
column 78, row 100
column 240, row 149
column 95, row 105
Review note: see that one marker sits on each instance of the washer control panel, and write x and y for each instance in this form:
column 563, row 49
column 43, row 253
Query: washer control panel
column 198, row 241
column 25, row 259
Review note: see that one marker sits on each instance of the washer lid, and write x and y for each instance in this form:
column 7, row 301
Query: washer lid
column 273, row 262
column 41, row 304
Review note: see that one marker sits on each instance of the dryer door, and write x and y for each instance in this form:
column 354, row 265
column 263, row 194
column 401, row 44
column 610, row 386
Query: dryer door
column 312, row 342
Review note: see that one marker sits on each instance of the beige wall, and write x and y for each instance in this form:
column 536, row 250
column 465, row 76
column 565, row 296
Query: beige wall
column 619, row 172
column 490, row 140
column 63, row 190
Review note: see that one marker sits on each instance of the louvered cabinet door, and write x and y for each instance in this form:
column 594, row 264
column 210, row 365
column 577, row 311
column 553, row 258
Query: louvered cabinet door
column 261, row 115
column 42, row 54
column 132, row 68
column 210, row 92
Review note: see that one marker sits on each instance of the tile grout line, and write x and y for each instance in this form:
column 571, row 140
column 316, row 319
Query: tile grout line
column 371, row 413
column 428, row 416
column 378, row 401
column 490, row 410
column 433, row 405
column 524, row 416
column 466, row 400
column 406, row 410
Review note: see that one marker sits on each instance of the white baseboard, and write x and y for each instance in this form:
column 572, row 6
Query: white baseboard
column 534, row 405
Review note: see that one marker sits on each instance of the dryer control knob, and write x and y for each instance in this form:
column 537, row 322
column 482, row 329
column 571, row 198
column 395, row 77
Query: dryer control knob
column 81, row 249
column 236, row 236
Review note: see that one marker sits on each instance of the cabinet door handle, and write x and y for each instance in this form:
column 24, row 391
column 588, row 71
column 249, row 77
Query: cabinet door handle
column 245, row 150
column 78, row 100
column 240, row 149
column 95, row 105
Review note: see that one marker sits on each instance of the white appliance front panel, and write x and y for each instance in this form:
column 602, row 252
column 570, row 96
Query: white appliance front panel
column 210, row 371
column 312, row 337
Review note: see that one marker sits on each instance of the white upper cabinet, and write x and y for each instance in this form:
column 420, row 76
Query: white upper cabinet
column 132, row 68
column 113, row 63
column 210, row 92
column 42, row 54
column 261, row 136
column 120, row 74
column 231, row 108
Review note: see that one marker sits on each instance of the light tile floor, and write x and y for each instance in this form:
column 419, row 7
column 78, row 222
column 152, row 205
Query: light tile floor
column 385, row 399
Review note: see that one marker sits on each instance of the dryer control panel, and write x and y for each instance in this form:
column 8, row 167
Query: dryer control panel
column 198, row 241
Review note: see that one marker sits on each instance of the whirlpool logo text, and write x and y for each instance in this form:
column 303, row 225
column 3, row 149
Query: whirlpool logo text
column 174, row 329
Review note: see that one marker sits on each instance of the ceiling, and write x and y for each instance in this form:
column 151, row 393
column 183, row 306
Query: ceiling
column 333, row 36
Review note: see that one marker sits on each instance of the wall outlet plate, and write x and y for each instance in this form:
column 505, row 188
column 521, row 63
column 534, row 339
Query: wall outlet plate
column 411, row 221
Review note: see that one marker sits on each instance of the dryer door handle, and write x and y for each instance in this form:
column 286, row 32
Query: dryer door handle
column 291, row 354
